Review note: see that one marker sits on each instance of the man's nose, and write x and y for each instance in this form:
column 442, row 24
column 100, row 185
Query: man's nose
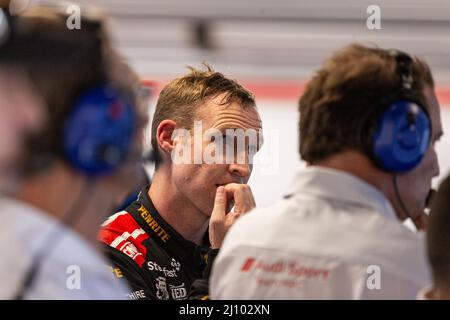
column 241, row 170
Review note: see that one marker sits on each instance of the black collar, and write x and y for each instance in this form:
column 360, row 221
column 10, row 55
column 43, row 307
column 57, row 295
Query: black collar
column 148, row 218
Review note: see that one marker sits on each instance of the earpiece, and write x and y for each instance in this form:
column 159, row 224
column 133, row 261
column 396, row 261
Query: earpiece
column 403, row 132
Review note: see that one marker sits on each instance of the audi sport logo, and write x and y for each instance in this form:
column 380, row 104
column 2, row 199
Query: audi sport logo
column 290, row 268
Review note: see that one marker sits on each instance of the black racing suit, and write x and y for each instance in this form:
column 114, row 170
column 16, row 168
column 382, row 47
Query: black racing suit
column 154, row 259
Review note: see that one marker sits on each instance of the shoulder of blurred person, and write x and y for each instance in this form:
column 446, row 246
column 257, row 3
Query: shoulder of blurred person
column 24, row 234
column 21, row 114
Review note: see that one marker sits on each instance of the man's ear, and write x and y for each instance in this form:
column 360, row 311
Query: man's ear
column 164, row 134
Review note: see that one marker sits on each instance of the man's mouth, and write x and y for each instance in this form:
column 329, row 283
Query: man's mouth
column 224, row 184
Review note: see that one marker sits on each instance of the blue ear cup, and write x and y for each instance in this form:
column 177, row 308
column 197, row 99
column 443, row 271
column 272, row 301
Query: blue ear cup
column 99, row 131
column 402, row 137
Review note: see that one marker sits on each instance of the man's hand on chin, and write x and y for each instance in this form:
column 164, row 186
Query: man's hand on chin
column 223, row 217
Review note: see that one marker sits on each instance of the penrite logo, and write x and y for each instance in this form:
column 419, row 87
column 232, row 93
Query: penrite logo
column 151, row 222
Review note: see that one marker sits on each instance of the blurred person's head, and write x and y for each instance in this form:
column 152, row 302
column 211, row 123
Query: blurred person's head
column 21, row 113
column 21, row 110
column 341, row 114
column 217, row 103
column 438, row 243
column 53, row 177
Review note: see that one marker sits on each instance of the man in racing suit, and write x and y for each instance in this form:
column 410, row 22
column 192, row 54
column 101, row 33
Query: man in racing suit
column 156, row 260
column 169, row 236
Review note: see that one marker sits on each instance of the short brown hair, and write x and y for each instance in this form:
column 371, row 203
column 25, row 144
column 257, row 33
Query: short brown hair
column 180, row 99
column 353, row 87
column 93, row 63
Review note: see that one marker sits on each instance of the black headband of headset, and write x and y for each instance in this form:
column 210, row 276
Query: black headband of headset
column 404, row 68
column 21, row 43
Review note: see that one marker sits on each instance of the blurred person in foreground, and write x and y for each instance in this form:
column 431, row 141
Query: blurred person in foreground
column 438, row 245
column 21, row 113
column 21, row 109
column 170, row 235
column 369, row 121
column 86, row 157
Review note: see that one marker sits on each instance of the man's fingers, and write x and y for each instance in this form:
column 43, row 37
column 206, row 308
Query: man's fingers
column 242, row 201
column 233, row 187
column 220, row 203
column 251, row 199
column 242, row 196
column 221, row 219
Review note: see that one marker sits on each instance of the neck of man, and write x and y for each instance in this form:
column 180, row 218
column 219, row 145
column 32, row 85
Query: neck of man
column 59, row 191
column 360, row 166
column 175, row 209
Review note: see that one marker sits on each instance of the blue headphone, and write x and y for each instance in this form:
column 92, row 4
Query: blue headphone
column 99, row 131
column 403, row 133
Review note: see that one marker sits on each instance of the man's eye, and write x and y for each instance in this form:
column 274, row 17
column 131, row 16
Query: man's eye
column 252, row 149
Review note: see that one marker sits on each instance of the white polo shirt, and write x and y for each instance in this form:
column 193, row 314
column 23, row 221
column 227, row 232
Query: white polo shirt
column 72, row 269
column 335, row 237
